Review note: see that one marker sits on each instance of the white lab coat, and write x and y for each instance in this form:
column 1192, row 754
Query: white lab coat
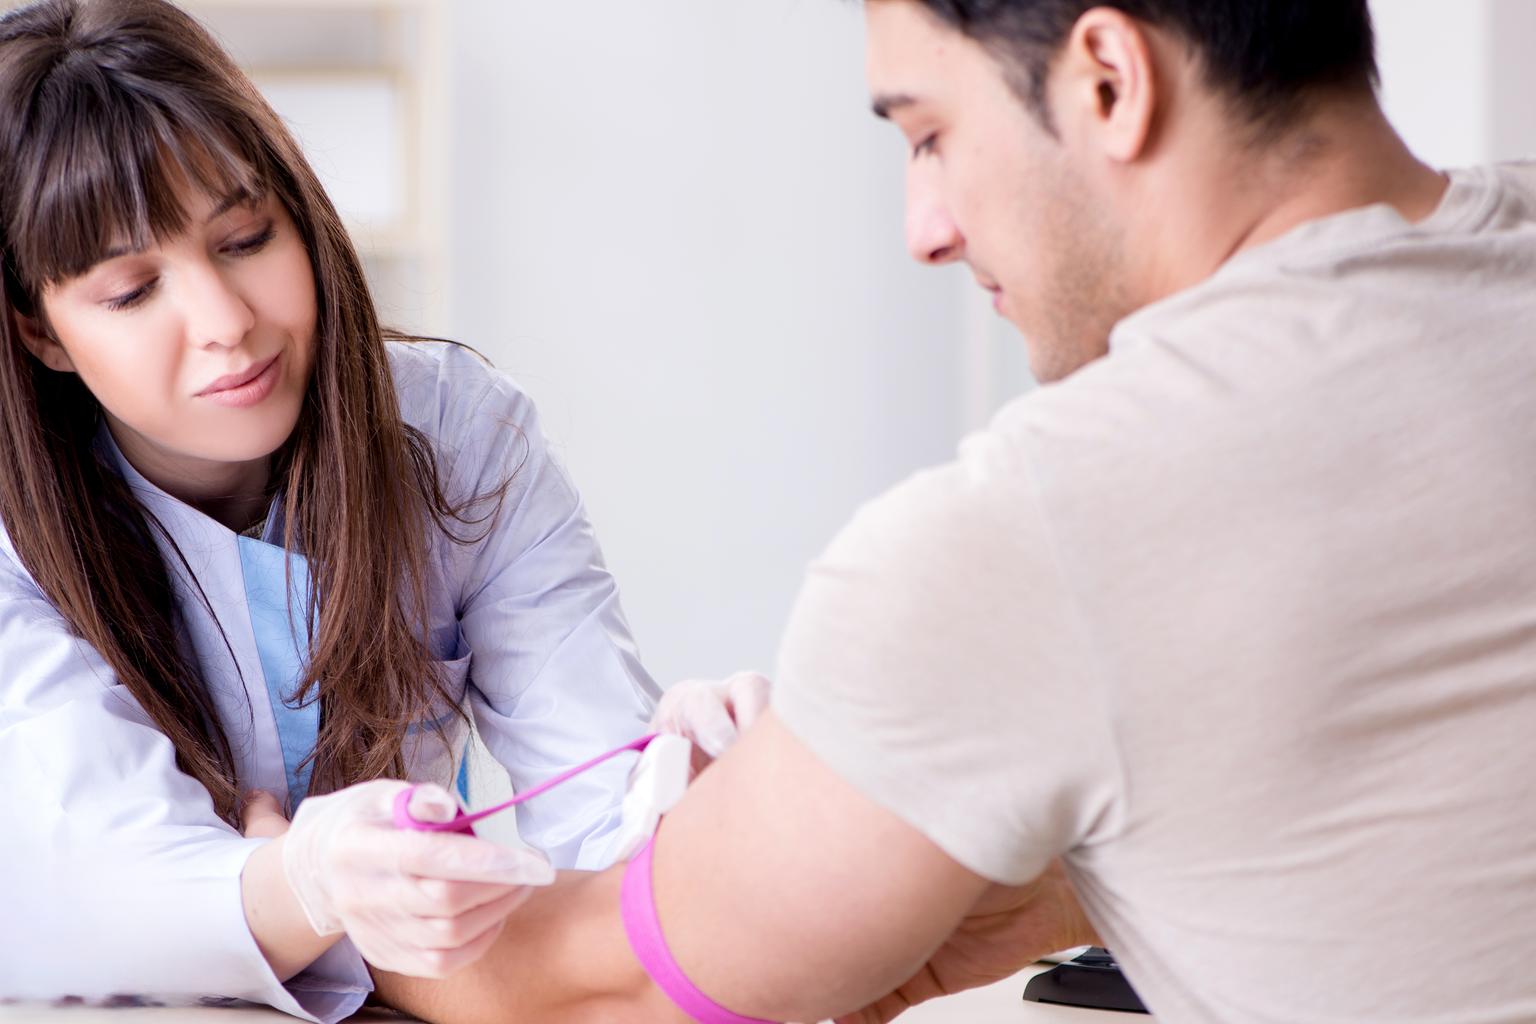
column 118, row 877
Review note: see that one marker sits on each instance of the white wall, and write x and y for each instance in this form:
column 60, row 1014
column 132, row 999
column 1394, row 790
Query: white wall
column 1433, row 57
column 1511, row 112
column 1457, row 78
column 678, row 226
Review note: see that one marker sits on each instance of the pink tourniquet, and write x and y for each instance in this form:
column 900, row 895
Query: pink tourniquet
column 465, row 822
column 637, row 904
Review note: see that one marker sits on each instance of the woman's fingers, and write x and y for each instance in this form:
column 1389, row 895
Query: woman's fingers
column 443, row 855
column 712, row 713
column 443, row 897
column 748, row 697
column 457, row 931
column 442, row 963
column 432, row 803
column 705, row 719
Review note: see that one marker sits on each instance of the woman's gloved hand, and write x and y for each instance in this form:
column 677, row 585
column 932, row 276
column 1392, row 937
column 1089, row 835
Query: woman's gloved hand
column 699, row 720
column 712, row 713
column 417, row 903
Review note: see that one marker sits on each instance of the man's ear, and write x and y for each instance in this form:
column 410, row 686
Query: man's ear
column 39, row 340
column 1107, row 73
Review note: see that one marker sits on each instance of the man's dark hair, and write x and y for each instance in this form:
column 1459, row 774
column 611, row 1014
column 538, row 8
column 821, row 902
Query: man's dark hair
column 1268, row 55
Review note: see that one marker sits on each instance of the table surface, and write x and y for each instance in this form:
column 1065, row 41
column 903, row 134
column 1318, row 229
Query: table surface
column 1001, row 1003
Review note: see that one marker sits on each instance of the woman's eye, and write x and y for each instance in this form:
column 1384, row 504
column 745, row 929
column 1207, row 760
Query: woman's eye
column 926, row 146
column 254, row 244
column 130, row 299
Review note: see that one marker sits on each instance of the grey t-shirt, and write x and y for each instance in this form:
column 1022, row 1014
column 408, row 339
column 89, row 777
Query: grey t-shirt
column 1241, row 621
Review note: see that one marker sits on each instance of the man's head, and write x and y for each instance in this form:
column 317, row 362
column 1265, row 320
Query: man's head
column 1052, row 139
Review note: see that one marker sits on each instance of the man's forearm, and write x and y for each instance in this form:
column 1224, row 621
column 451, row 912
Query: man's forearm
column 562, row 957
column 783, row 894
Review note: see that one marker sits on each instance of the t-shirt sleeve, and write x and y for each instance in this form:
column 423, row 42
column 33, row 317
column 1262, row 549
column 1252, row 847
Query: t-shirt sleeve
column 936, row 661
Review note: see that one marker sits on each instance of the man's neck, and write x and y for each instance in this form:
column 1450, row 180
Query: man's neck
column 1343, row 157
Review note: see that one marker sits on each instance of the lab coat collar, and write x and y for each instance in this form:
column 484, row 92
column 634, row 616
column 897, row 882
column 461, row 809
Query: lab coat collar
column 162, row 503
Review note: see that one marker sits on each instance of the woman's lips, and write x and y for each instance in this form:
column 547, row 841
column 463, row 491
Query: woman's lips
column 242, row 390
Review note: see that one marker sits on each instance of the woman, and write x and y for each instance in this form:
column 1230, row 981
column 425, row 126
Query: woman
column 249, row 546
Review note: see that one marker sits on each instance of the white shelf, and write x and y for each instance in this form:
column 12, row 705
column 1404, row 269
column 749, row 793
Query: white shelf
column 363, row 86
column 402, row 42
column 305, row 6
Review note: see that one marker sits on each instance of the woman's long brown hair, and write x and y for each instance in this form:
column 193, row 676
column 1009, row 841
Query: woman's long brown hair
column 105, row 105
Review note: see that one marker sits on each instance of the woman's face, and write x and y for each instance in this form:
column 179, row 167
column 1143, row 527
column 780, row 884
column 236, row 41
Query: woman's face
column 199, row 348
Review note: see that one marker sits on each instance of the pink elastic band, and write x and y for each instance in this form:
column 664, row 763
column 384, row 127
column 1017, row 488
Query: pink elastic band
column 465, row 822
column 637, row 904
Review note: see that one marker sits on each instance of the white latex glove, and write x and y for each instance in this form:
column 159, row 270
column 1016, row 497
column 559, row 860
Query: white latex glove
column 418, row 903
column 712, row 713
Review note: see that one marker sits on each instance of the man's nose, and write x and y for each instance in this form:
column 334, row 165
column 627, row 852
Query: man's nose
column 932, row 235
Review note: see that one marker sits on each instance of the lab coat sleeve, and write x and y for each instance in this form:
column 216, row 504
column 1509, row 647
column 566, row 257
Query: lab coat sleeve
column 555, row 676
column 120, row 878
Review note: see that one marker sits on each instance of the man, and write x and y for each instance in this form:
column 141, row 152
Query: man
column 1236, row 617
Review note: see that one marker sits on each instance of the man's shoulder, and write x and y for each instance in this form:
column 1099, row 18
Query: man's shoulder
column 1519, row 178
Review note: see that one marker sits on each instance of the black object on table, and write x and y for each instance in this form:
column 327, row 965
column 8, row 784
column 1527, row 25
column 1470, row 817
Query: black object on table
column 1091, row 980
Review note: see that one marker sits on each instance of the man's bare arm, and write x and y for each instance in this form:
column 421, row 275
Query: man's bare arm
column 786, row 894
column 782, row 892
column 562, row 956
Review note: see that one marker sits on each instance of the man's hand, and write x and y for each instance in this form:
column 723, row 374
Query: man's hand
column 1009, row 928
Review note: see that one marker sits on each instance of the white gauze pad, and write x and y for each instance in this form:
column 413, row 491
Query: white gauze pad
column 655, row 786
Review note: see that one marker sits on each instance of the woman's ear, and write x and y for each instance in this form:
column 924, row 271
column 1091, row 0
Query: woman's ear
column 39, row 340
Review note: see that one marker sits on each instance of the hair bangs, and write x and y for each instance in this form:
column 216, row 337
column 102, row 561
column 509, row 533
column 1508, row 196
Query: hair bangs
column 115, row 115
column 112, row 170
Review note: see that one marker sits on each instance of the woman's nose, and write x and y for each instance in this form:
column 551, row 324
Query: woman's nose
column 217, row 314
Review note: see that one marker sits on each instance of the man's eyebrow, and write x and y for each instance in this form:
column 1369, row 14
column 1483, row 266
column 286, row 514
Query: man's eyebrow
column 885, row 103
column 226, row 204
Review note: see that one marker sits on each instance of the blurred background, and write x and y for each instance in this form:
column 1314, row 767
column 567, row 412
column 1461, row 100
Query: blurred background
column 677, row 226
